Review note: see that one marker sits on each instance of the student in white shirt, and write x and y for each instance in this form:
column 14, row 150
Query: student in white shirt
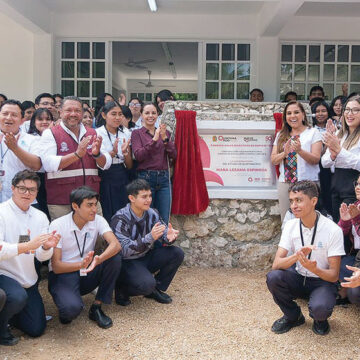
column 16, row 147
column 23, row 235
column 74, row 269
column 316, row 246
column 116, row 142
column 343, row 153
column 300, row 142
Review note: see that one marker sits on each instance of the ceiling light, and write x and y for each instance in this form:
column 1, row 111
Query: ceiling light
column 152, row 5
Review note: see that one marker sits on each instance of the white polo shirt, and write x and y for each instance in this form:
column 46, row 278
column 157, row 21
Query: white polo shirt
column 108, row 140
column 11, row 164
column 66, row 227
column 13, row 223
column 48, row 149
column 329, row 241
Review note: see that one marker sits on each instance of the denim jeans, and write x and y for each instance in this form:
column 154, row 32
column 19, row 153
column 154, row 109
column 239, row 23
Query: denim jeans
column 160, row 189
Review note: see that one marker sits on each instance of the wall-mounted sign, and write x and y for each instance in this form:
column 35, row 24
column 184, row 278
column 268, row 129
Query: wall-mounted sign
column 237, row 160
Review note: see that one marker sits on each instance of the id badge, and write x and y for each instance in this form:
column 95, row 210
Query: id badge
column 24, row 238
column 83, row 272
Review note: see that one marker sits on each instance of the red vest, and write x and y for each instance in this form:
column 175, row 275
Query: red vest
column 84, row 171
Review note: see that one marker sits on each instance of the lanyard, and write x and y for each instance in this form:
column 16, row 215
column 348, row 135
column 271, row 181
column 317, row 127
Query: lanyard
column 312, row 239
column 3, row 155
column 77, row 242
column 117, row 134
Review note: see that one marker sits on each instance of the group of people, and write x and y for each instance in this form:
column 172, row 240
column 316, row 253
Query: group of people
column 109, row 229
column 319, row 198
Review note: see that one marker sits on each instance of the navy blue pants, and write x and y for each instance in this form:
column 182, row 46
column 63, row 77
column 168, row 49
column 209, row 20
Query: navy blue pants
column 160, row 191
column 23, row 309
column 2, row 299
column 67, row 289
column 136, row 277
column 113, row 195
column 353, row 294
column 287, row 285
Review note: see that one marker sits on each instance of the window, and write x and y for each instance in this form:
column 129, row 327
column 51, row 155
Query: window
column 83, row 69
column 147, row 97
column 327, row 64
column 227, row 71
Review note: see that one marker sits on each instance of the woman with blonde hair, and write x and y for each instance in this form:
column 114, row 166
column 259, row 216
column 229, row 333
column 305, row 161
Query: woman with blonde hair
column 297, row 149
column 343, row 153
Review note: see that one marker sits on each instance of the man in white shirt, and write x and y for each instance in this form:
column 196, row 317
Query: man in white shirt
column 16, row 147
column 70, row 154
column 74, row 269
column 316, row 245
column 23, row 235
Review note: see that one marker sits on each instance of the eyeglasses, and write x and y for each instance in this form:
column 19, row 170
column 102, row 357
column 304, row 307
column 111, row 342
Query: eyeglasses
column 46, row 103
column 135, row 104
column 354, row 111
column 24, row 190
column 356, row 184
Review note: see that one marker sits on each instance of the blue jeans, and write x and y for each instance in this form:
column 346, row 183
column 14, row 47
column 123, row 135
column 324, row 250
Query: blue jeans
column 160, row 189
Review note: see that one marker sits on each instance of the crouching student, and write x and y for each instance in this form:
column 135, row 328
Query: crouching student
column 23, row 235
column 74, row 269
column 137, row 227
column 316, row 245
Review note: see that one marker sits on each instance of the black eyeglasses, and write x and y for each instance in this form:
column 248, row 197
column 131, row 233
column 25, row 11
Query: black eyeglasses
column 24, row 190
column 356, row 183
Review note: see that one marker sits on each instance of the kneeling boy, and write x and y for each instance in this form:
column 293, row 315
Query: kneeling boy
column 316, row 245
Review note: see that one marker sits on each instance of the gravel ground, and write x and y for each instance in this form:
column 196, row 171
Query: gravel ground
column 215, row 314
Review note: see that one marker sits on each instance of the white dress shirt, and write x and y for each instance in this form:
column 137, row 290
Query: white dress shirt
column 107, row 143
column 48, row 149
column 66, row 227
column 13, row 223
column 11, row 164
column 329, row 241
column 346, row 159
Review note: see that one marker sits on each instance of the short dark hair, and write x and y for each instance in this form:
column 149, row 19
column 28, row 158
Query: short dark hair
column 315, row 100
column 136, row 186
column 43, row 95
column 81, row 193
column 13, row 102
column 307, row 187
column 258, row 90
column 58, row 95
column 26, row 175
column 27, row 105
column 72, row 98
column 3, row 96
column 290, row 93
column 316, row 88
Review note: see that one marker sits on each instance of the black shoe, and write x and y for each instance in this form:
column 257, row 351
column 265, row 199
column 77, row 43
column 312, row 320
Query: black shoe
column 64, row 321
column 342, row 301
column 321, row 327
column 121, row 298
column 283, row 325
column 160, row 297
column 9, row 339
column 96, row 314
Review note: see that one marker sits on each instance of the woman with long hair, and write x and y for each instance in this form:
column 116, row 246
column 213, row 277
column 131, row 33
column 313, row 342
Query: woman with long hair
column 336, row 109
column 343, row 153
column 153, row 150
column 297, row 149
column 116, row 141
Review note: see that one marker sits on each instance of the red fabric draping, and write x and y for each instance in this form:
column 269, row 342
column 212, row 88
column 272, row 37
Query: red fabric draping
column 278, row 126
column 190, row 194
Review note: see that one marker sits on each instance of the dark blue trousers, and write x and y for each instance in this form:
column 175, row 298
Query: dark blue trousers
column 24, row 308
column 287, row 285
column 353, row 294
column 136, row 277
column 67, row 289
column 2, row 299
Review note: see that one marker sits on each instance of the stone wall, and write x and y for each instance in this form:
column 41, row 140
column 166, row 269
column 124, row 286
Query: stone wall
column 230, row 233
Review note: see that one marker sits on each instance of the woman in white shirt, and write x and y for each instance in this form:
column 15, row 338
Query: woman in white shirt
column 297, row 149
column 116, row 141
column 344, row 154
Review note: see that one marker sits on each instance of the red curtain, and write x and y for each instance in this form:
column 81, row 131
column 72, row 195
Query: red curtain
column 278, row 126
column 190, row 194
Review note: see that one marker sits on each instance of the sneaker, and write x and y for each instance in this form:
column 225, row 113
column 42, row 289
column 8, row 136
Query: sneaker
column 64, row 321
column 321, row 327
column 160, row 297
column 9, row 339
column 342, row 301
column 96, row 314
column 121, row 298
column 283, row 325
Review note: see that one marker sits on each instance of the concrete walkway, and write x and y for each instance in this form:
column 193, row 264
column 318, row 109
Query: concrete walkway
column 215, row 314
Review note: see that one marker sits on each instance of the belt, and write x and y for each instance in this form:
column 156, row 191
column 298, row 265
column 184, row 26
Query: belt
column 71, row 173
column 157, row 172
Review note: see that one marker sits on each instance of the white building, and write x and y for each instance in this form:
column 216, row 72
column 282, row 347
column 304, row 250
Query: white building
column 213, row 49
